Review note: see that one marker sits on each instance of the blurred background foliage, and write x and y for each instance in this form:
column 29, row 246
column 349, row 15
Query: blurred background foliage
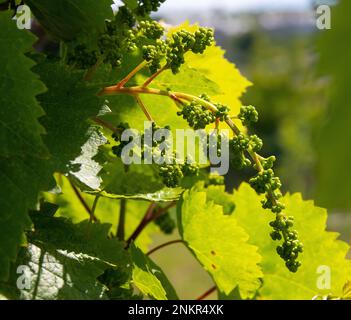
column 333, row 144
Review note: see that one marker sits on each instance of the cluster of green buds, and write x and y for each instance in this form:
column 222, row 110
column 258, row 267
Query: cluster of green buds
column 197, row 116
column 117, row 136
column 173, row 172
column 173, row 50
column 291, row 247
column 184, row 41
column 145, row 7
column 248, row 115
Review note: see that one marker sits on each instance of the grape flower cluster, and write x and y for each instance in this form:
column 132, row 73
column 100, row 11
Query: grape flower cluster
column 117, row 136
column 125, row 33
column 197, row 116
column 171, row 171
column 248, row 115
column 265, row 182
column 145, row 7
column 174, row 49
column 130, row 31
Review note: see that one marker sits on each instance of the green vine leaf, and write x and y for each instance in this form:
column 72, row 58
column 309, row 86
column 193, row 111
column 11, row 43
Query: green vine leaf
column 88, row 161
column 83, row 250
column 69, row 18
column 64, row 261
column 149, row 278
column 322, row 249
column 24, row 171
column 219, row 243
column 69, row 103
column 107, row 211
column 61, row 275
column 20, row 130
column 138, row 182
column 188, row 80
column 219, row 196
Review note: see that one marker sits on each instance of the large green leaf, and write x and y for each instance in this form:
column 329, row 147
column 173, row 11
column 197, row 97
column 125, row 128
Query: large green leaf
column 321, row 248
column 61, row 275
column 66, row 19
column 107, row 211
column 138, row 182
column 88, row 162
column 333, row 174
column 219, row 243
column 65, row 260
column 24, row 171
column 20, row 131
column 149, row 278
column 69, row 103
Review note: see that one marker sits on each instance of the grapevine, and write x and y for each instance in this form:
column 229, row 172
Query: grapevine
column 199, row 112
column 117, row 131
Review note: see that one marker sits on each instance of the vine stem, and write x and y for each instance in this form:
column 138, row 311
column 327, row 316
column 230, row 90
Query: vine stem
column 143, row 223
column 207, row 293
column 154, row 76
column 93, row 208
column 217, row 124
column 122, row 220
column 143, row 107
column 83, row 202
column 124, row 81
column 106, row 124
column 162, row 211
column 176, row 96
column 149, row 216
column 164, row 245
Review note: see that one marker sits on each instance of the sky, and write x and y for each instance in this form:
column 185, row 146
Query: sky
column 236, row 5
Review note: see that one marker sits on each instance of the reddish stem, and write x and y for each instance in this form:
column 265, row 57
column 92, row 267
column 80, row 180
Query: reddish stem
column 207, row 293
column 83, row 202
column 144, row 222
column 150, row 215
column 106, row 125
column 163, row 246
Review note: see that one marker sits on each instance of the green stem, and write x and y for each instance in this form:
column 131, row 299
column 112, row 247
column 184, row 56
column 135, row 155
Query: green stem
column 63, row 52
column 154, row 76
column 122, row 220
column 143, row 107
column 115, row 90
column 124, row 81
column 93, row 208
